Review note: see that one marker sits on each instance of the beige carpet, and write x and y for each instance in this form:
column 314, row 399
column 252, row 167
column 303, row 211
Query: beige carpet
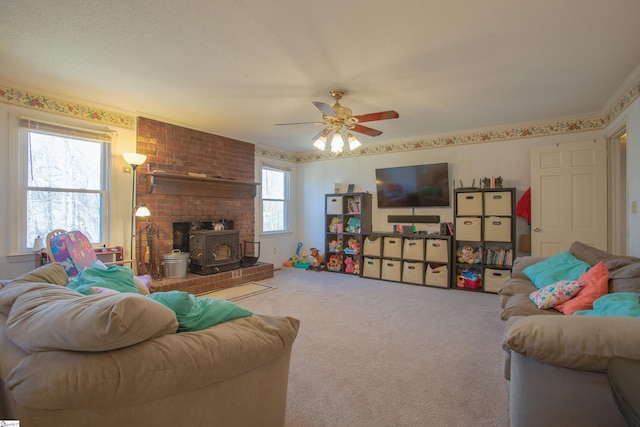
column 380, row 354
column 239, row 292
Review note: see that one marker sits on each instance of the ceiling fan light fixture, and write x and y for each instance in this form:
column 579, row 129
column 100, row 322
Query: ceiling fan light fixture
column 320, row 143
column 353, row 142
column 337, row 143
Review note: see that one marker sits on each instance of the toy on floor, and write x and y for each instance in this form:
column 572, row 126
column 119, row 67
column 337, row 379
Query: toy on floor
column 298, row 260
column 316, row 260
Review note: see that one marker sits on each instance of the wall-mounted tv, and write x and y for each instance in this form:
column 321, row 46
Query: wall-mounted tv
column 419, row 186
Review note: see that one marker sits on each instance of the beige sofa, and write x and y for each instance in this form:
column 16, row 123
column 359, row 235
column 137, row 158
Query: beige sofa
column 557, row 364
column 117, row 360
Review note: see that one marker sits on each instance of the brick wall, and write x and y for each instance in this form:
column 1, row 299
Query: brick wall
column 178, row 150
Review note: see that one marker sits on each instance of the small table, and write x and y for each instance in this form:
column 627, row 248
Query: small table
column 624, row 379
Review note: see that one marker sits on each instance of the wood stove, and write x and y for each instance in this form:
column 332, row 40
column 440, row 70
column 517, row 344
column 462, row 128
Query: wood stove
column 214, row 251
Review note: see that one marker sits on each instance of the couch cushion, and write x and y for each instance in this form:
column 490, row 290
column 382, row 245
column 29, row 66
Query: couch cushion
column 563, row 266
column 45, row 317
column 578, row 342
column 154, row 369
column 596, row 284
column 556, row 293
column 49, row 273
column 521, row 305
column 593, row 256
column 625, row 279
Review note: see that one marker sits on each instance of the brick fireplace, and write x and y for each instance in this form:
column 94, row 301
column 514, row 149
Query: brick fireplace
column 170, row 182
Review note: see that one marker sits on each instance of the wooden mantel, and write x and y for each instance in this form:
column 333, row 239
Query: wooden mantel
column 188, row 185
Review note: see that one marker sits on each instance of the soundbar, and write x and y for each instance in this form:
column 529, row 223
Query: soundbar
column 414, row 219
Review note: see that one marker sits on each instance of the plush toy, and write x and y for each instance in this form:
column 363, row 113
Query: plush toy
column 353, row 225
column 335, row 263
column 468, row 255
column 349, row 266
column 317, row 261
column 356, row 267
column 336, row 245
column 333, row 226
column 354, row 246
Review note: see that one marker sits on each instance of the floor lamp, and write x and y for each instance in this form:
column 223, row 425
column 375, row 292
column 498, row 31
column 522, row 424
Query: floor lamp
column 134, row 160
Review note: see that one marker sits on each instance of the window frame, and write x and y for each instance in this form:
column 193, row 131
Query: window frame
column 20, row 183
column 286, row 201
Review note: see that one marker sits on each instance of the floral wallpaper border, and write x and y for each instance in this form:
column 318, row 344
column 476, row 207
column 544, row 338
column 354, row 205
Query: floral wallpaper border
column 49, row 104
column 494, row 135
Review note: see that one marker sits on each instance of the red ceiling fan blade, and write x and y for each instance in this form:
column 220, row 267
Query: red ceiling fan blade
column 325, row 108
column 382, row 115
column 365, row 130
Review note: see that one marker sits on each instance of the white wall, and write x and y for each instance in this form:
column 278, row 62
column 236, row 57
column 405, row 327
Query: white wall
column 509, row 159
column 14, row 264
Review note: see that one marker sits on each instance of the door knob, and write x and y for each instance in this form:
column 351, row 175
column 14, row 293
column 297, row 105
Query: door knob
column 537, row 230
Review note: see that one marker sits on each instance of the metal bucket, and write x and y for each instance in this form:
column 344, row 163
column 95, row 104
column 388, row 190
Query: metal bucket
column 175, row 264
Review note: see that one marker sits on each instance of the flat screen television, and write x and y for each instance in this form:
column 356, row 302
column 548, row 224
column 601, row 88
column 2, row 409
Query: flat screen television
column 419, row 186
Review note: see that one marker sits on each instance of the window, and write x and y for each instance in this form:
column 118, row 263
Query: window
column 275, row 198
column 64, row 181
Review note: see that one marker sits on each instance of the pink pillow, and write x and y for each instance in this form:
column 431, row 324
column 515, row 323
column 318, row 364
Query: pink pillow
column 596, row 284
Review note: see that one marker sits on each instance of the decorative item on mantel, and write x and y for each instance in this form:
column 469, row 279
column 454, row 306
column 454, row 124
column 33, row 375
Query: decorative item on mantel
column 493, row 182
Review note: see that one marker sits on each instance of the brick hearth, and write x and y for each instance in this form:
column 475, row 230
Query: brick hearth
column 197, row 284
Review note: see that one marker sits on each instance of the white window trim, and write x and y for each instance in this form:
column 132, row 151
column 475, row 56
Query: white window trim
column 287, row 199
column 17, row 177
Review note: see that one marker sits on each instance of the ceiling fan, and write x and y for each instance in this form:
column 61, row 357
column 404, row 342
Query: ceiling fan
column 339, row 122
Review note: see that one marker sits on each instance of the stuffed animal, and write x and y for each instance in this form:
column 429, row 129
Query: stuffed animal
column 349, row 265
column 354, row 245
column 353, row 225
column 317, row 261
column 335, row 263
column 333, row 226
column 356, row 267
column 468, row 255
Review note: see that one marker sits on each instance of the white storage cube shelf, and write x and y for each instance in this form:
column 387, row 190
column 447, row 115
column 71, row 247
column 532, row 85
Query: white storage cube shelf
column 372, row 247
column 437, row 275
column 497, row 203
column 493, row 279
column 469, row 203
column 468, row 228
column 437, row 250
column 392, row 247
column 391, row 270
column 334, row 205
column 412, row 272
column 497, row 229
column 371, row 268
column 413, row 248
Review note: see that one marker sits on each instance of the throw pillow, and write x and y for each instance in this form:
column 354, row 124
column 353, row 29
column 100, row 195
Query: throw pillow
column 563, row 266
column 617, row 304
column 50, row 317
column 595, row 284
column 551, row 295
column 195, row 313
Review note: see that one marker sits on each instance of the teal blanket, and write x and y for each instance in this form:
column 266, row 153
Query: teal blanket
column 114, row 277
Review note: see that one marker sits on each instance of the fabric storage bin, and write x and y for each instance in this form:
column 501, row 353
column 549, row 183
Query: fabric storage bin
column 371, row 268
column 493, row 279
column 497, row 203
column 437, row 275
column 497, row 229
column 392, row 247
column 437, row 250
column 372, row 245
column 469, row 203
column 391, row 270
column 413, row 248
column 334, row 205
column 413, row 272
column 468, row 228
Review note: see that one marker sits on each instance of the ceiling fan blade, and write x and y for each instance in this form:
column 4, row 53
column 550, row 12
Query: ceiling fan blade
column 323, row 132
column 299, row 123
column 365, row 130
column 382, row 115
column 325, row 108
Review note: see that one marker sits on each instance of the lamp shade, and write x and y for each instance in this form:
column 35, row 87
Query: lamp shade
column 134, row 159
column 143, row 211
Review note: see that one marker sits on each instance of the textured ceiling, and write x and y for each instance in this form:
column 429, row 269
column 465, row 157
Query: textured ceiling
column 237, row 67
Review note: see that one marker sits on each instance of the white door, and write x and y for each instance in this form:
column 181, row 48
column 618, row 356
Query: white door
column 568, row 196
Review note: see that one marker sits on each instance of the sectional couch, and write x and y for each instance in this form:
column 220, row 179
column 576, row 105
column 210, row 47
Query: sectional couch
column 116, row 360
column 557, row 363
